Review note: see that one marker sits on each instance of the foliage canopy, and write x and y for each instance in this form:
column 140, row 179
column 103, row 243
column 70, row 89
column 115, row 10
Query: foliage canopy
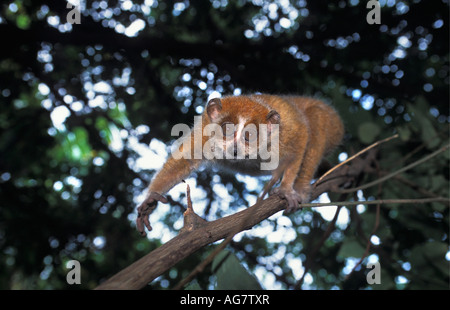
column 86, row 107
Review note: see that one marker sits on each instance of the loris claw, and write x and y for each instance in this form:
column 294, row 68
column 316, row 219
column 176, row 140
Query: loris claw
column 145, row 209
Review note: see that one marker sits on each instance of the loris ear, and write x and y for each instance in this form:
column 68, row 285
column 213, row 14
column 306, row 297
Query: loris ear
column 273, row 118
column 213, row 108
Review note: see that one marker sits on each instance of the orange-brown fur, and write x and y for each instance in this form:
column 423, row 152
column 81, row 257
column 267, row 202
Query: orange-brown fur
column 308, row 129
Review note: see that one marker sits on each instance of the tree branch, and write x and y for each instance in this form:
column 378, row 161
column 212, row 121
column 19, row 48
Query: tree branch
column 146, row 269
column 143, row 271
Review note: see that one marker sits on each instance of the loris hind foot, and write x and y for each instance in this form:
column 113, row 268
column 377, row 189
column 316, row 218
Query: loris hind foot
column 293, row 198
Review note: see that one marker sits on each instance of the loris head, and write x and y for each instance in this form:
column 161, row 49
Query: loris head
column 240, row 127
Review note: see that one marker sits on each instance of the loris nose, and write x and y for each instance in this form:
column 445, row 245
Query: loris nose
column 235, row 152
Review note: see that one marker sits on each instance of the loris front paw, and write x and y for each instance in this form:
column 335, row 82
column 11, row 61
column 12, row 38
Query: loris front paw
column 145, row 209
column 292, row 197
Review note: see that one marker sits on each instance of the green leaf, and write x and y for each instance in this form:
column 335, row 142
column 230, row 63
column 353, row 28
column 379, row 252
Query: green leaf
column 438, row 182
column 193, row 286
column 404, row 133
column 424, row 125
column 231, row 275
column 431, row 253
column 104, row 128
column 351, row 248
column 367, row 132
column 119, row 116
column 23, row 21
column 429, row 134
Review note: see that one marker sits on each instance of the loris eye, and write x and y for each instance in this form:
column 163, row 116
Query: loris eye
column 228, row 129
column 250, row 135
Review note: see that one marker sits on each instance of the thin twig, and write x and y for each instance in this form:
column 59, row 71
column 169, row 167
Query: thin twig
column 390, row 175
column 417, row 149
column 374, row 202
column 369, row 242
column 188, row 196
column 353, row 157
column 416, row 187
column 374, row 229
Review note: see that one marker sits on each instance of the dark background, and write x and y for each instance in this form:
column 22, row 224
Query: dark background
column 75, row 100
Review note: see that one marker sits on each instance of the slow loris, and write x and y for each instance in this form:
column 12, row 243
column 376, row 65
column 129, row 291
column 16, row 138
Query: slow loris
column 285, row 136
